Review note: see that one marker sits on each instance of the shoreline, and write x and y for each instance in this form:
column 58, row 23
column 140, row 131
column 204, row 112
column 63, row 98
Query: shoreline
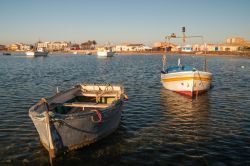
column 209, row 53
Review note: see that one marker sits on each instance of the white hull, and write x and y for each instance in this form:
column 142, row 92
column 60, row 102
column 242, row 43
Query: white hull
column 187, row 82
column 30, row 54
column 105, row 53
column 36, row 53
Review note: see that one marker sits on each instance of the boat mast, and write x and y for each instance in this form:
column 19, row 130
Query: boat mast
column 164, row 57
column 183, row 35
column 205, row 61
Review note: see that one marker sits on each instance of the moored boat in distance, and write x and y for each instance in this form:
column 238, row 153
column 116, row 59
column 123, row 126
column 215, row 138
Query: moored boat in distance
column 38, row 53
column 77, row 117
column 184, row 79
column 6, row 53
column 88, row 53
column 105, row 52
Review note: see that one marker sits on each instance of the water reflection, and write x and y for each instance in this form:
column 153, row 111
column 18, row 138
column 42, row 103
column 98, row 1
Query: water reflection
column 186, row 118
column 158, row 127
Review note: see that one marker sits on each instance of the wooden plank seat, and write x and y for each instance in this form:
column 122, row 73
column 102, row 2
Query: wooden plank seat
column 98, row 93
column 86, row 104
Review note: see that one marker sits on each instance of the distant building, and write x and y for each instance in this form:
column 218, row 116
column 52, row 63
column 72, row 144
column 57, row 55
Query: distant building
column 187, row 48
column 236, row 40
column 162, row 46
column 206, row 47
column 42, row 45
column 234, row 44
column 75, row 47
column 13, row 47
column 131, row 47
column 58, row 46
column 25, row 47
column 230, row 47
column 2, row 47
column 54, row 46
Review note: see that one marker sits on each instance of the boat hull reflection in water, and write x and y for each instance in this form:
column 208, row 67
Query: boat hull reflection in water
column 188, row 120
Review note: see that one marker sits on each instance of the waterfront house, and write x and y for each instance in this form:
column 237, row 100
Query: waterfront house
column 187, row 48
column 54, row 46
column 25, row 47
column 234, row 44
column 131, row 47
column 13, row 47
column 206, row 47
column 236, row 40
column 162, row 46
column 230, row 47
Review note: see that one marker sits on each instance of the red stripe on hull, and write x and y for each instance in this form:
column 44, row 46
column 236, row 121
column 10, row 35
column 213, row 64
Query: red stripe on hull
column 191, row 94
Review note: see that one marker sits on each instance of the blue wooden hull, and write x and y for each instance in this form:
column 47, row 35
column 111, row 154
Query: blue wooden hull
column 77, row 131
column 61, row 129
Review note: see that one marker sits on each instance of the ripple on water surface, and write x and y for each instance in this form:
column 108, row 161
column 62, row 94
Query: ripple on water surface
column 158, row 127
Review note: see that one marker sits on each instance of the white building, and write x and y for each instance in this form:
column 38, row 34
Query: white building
column 42, row 45
column 206, row 47
column 54, row 46
column 25, row 47
column 187, row 48
column 131, row 47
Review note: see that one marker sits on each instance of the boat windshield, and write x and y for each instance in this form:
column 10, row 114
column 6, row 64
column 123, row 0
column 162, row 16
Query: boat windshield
column 179, row 69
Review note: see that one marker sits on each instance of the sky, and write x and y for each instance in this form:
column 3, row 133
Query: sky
column 117, row 21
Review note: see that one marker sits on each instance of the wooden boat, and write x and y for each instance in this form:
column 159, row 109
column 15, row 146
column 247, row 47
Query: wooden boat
column 184, row 79
column 6, row 53
column 77, row 117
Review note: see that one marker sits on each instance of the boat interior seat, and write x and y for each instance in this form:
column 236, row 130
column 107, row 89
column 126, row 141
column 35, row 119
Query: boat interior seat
column 86, row 104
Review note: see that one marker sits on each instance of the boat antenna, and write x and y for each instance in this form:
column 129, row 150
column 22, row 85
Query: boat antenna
column 164, row 62
column 205, row 54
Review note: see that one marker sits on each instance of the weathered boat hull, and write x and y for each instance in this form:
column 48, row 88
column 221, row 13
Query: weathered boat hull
column 74, row 132
column 64, row 132
column 189, row 83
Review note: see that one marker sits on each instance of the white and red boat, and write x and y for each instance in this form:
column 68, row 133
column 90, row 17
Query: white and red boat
column 184, row 79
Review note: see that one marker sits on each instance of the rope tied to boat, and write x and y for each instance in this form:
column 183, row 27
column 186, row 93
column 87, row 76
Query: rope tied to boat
column 101, row 92
column 99, row 114
column 197, row 92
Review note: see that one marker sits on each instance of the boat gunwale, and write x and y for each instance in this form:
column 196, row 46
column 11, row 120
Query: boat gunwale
column 40, row 116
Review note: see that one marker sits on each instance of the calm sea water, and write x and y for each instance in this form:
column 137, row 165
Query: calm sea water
column 158, row 127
